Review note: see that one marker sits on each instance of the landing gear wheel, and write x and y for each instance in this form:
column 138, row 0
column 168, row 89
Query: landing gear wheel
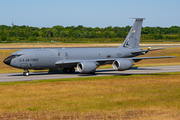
column 72, row 70
column 65, row 70
column 93, row 73
column 68, row 70
column 26, row 73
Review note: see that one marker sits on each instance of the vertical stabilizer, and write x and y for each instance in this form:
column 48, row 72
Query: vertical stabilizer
column 133, row 38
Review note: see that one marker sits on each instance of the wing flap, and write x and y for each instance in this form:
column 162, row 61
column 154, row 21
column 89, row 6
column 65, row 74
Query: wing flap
column 65, row 62
column 62, row 62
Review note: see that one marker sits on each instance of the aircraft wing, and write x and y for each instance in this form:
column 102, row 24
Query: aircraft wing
column 110, row 60
column 65, row 62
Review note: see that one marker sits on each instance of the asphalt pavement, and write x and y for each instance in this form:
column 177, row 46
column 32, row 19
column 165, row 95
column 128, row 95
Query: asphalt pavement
column 8, row 77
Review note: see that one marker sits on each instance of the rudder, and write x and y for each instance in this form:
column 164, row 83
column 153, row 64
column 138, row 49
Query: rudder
column 133, row 38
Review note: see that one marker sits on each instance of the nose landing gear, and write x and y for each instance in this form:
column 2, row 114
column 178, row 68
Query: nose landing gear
column 26, row 73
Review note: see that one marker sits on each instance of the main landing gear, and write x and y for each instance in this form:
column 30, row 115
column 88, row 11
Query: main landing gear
column 68, row 70
column 26, row 73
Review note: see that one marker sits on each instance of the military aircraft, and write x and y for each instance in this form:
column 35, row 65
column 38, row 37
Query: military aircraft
column 85, row 59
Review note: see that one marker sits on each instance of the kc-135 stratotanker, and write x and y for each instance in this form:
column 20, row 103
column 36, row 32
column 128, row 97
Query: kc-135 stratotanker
column 85, row 59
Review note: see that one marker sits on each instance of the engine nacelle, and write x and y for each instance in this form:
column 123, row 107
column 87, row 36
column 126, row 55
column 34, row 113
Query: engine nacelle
column 86, row 67
column 121, row 64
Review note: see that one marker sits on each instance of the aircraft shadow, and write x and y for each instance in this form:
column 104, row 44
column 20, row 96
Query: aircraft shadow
column 141, row 68
column 98, row 72
column 107, row 74
column 147, row 69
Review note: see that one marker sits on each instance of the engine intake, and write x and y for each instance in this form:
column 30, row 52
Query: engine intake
column 121, row 64
column 86, row 67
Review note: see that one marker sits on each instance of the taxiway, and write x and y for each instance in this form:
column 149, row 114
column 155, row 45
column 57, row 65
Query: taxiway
column 99, row 72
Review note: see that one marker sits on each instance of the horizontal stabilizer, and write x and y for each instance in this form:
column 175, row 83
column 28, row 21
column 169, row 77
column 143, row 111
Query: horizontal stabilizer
column 138, row 52
column 136, row 59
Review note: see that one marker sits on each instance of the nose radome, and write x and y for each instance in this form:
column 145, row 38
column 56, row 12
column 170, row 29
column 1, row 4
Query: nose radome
column 8, row 60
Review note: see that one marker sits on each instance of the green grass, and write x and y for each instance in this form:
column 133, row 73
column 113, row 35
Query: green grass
column 153, row 96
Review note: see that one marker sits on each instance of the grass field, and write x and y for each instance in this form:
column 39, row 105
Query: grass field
column 155, row 62
column 154, row 96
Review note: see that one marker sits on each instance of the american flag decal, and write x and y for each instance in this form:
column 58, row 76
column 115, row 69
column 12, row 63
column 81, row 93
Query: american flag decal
column 133, row 31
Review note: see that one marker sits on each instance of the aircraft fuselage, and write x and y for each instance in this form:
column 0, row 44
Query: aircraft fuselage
column 45, row 58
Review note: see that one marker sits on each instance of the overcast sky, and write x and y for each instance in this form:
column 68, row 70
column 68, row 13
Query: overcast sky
column 89, row 13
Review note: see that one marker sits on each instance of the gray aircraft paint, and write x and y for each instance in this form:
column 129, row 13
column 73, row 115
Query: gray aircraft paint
column 45, row 58
column 133, row 38
column 85, row 59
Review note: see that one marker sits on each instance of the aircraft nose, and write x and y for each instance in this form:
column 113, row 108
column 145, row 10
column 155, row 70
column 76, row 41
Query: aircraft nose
column 8, row 60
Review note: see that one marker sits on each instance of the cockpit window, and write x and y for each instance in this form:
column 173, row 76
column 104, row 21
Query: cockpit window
column 16, row 55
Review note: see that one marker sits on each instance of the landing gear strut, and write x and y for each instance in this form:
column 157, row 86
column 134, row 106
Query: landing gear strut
column 68, row 70
column 26, row 73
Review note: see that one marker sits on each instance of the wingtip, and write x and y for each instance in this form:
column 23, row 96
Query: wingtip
column 172, row 56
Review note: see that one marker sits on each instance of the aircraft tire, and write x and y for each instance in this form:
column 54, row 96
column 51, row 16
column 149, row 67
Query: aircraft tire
column 26, row 73
column 68, row 70
column 65, row 70
column 72, row 70
column 93, row 72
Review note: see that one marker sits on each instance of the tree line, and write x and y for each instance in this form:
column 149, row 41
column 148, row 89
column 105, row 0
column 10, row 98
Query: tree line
column 84, row 34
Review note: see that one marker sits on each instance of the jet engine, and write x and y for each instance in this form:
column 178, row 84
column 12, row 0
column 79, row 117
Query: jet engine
column 121, row 64
column 86, row 67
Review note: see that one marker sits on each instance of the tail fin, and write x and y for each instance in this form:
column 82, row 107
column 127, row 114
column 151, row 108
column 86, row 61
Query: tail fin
column 133, row 38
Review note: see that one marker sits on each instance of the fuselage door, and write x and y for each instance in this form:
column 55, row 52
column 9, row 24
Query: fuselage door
column 24, row 65
column 66, row 55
